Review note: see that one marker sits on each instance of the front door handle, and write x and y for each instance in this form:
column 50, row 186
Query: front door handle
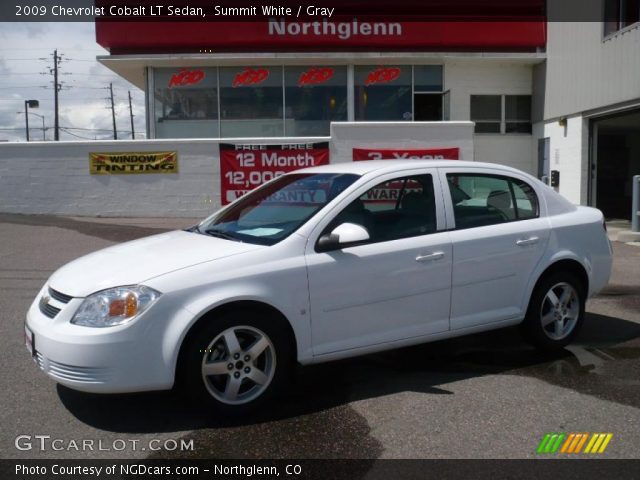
column 527, row 241
column 430, row 257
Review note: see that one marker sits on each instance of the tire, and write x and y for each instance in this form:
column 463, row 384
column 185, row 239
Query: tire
column 556, row 311
column 237, row 362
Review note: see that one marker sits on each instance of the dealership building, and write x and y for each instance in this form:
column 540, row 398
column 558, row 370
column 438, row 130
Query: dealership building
column 560, row 100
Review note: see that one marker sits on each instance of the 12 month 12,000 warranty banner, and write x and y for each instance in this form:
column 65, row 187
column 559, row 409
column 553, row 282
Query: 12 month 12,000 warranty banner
column 118, row 163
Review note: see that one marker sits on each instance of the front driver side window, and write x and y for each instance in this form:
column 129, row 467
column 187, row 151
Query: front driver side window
column 395, row 209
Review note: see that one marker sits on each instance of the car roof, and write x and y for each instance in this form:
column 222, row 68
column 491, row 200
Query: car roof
column 390, row 166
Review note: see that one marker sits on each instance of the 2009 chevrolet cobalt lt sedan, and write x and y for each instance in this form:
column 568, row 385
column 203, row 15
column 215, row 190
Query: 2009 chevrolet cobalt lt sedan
column 321, row 264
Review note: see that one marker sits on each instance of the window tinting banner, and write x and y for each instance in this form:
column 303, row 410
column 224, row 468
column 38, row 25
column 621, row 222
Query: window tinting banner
column 244, row 167
column 115, row 163
column 406, row 154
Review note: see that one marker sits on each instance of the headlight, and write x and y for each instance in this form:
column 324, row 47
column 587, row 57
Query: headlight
column 115, row 306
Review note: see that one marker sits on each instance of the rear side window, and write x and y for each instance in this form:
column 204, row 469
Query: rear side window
column 526, row 200
column 480, row 199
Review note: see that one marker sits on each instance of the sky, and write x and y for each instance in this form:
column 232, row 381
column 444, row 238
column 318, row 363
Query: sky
column 26, row 51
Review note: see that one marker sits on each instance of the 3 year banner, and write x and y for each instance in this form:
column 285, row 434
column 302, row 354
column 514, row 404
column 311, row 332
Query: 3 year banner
column 406, row 154
column 244, row 167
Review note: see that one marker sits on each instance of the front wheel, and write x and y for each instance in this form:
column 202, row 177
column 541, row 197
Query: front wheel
column 236, row 363
column 556, row 311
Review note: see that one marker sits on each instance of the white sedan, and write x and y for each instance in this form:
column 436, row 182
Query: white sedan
column 321, row 264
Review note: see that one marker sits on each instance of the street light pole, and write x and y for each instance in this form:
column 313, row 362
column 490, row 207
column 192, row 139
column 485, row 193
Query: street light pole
column 44, row 128
column 26, row 117
column 27, row 104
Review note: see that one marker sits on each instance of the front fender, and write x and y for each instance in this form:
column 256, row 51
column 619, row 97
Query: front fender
column 290, row 301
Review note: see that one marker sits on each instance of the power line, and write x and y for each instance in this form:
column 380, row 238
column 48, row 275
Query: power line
column 78, row 136
column 22, row 86
column 96, row 75
column 95, row 129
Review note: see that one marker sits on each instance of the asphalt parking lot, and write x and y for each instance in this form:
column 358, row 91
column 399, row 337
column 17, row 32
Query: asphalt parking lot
column 484, row 396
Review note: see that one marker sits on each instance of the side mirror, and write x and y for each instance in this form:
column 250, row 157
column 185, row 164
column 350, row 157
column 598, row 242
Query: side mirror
column 344, row 235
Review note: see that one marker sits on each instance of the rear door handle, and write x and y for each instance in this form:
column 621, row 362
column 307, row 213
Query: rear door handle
column 430, row 257
column 527, row 241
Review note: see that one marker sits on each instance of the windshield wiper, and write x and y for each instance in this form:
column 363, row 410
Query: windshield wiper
column 215, row 232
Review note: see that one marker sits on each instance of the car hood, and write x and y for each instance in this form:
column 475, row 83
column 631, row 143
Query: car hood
column 134, row 262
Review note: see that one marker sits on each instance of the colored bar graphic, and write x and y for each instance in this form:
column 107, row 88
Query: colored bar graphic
column 543, row 443
column 570, row 438
column 556, row 445
column 550, row 443
column 607, row 439
column 594, row 437
column 598, row 443
column 573, row 443
column 581, row 443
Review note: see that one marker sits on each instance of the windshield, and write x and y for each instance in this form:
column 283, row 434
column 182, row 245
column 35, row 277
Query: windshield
column 272, row 212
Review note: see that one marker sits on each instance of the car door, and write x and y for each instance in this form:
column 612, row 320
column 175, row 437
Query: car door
column 394, row 286
column 498, row 238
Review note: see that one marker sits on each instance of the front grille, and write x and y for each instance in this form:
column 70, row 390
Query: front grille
column 48, row 310
column 61, row 297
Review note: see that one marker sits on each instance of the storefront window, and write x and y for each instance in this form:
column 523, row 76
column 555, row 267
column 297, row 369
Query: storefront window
column 501, row 113
column 383, row 93
column 427, row 78
column 518, row 113
column 251, row 103
column 314, row 97
column 186, row 103
column 486, row 111
column 619, row 14
column 428, row 99
column 302, row 101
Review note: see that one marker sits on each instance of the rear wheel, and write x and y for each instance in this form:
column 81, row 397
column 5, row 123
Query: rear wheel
column 556, row 311
column 237, row 362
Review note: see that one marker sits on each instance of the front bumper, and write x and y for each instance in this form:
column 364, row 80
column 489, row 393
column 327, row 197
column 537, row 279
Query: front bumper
column 126, row 358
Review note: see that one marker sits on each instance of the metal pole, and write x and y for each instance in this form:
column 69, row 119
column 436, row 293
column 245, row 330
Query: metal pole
column 26, row 117
column 44, row 135
column 113, row 113
column 56, row 89
column 133, row 130
column 635, row 205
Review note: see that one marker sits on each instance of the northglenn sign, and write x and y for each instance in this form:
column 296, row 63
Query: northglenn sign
column 350, row 34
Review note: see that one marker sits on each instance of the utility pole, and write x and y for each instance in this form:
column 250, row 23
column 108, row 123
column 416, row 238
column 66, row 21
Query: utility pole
column 113, row 113
column 56, row 89
column 133, row 131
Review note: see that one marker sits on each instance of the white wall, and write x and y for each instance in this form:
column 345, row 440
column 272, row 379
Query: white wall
column 569, row 154
column 517, row 151
column 586, row 71
column 53, row 177
column 492, row 77
column 348, row 135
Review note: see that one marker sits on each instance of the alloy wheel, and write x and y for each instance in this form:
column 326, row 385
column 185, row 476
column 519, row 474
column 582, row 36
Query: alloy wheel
column 238, row 365
column 560, row 311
